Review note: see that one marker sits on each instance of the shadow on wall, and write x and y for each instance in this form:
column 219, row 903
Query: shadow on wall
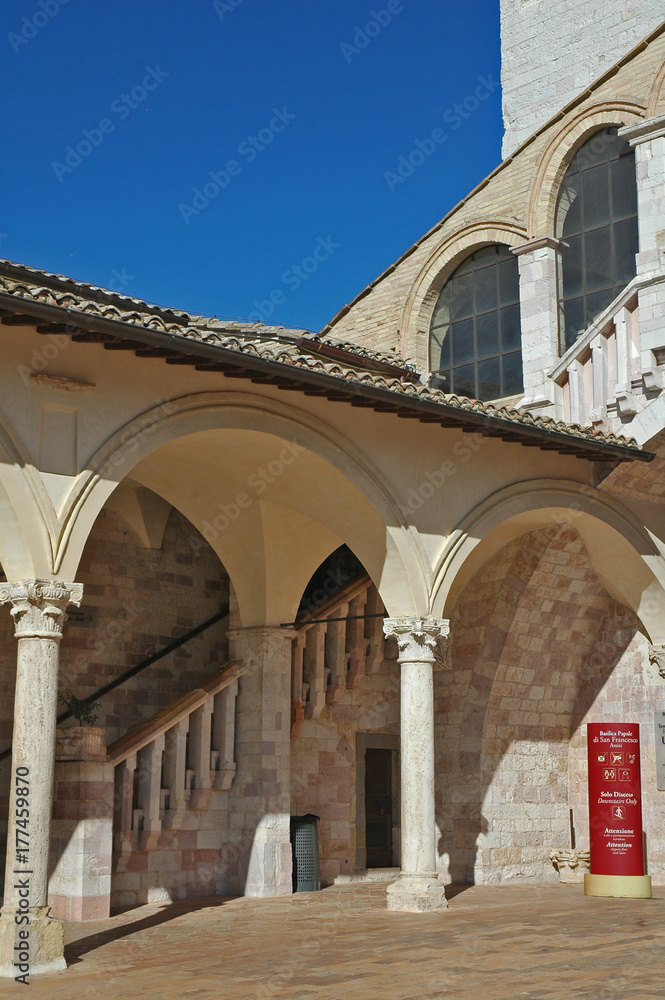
column 525, row 671
column 137, row 600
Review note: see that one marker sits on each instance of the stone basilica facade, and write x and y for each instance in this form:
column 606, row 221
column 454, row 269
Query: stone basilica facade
column 384, row 575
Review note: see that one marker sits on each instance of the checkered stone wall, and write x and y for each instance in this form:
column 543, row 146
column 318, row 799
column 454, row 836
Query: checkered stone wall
column 538, row 648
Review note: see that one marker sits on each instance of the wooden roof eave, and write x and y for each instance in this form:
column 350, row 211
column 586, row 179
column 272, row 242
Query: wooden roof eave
column 117, row 334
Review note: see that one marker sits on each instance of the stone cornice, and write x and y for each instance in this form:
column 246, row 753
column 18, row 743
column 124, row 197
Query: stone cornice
column 537, row 243
column 643, row 130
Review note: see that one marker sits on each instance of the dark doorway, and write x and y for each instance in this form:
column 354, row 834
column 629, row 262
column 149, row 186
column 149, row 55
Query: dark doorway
column 378, row 807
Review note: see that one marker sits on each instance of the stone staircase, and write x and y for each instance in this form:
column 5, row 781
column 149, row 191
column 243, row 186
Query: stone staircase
column 343, row 640
column 171, row 763
column 149, row 822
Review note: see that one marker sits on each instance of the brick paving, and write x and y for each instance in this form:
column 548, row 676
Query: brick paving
column 530, row 942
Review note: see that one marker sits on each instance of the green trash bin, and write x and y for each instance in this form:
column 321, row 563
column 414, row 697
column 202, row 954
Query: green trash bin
column 305, row 852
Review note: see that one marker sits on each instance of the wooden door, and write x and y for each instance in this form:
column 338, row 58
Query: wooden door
column 378, row 808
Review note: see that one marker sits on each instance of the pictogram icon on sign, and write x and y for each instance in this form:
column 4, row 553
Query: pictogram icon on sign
column 618, row 812
column 601, row 758
column 625, row 774
column 617, row 758
column 610, row 774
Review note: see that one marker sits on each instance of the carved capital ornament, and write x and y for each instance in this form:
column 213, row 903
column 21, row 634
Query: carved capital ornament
column 657, row 656
column 417, row 637
column 38, row 606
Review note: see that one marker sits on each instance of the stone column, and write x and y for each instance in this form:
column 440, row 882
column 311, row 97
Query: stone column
column 261, row 795
column 38, row 610
column 539, row 319
column 648, row 138
column 417, row 889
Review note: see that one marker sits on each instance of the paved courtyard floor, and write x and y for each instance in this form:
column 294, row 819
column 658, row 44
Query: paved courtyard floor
column 545, row 942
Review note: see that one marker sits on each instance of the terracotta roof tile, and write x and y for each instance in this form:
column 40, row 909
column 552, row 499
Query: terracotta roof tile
column 271, row 343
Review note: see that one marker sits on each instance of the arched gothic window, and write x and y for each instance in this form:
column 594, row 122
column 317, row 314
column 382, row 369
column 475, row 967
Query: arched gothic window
column 475, row 344
column 597, row 217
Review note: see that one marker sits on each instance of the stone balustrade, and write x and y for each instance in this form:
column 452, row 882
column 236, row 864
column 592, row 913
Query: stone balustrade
column 171, row 763
column 342, row 641
column 606, row 378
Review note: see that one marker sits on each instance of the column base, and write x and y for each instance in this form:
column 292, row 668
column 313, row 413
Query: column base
column 46, row 944
column 628, row 886
column 416, row 894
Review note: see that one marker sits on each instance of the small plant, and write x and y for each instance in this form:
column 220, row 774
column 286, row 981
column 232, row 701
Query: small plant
column 80, row 709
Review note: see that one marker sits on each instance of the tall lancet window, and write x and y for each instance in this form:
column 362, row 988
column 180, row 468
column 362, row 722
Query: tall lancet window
column 475, row 342
column 597, row 217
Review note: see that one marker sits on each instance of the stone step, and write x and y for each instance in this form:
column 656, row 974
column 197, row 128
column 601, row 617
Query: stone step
column 368, row 875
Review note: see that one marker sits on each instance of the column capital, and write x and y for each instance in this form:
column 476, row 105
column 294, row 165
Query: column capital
column 643, row 130
column 657, row 656
column 416, row 637
column 38, row 606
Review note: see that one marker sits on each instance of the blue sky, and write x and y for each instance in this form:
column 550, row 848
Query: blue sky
column 308, row 139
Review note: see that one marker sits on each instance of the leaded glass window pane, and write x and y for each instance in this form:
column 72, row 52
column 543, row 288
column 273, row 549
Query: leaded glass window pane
column 624, row 188
column 511, row 336
column 597, row 218
column 489, row 378
column 464, row 381
column 625, row 241
column 487, row 335
column 462, row 296
column 512, row 373
column 596, row 196
column 476, row 321
column 462, row 340
column 485, row 292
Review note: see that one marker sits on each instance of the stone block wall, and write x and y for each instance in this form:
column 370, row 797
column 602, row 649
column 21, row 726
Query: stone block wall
column 551, row 50
column 394, row 312
column 81, row 840
column 632, row 693
column 136, row 600
column 197, row 859
column 538, row 648
column 141, row 600
column 259, row 799
column 323, row 761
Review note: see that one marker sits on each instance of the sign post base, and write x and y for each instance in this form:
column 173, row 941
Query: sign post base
column 628, row 886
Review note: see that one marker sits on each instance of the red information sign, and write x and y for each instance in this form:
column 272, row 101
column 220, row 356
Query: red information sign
column 615, row 807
